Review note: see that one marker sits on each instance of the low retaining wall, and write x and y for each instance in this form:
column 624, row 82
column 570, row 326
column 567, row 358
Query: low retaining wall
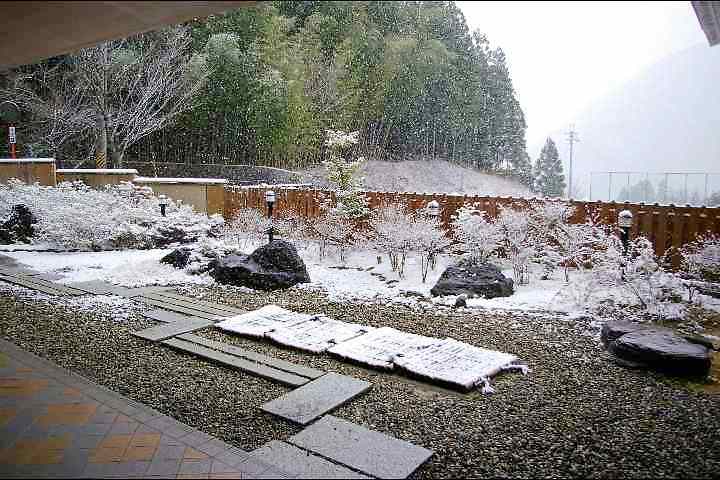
column 29, row 170
column 206, row 195
column 96, row 177
column 235, row 174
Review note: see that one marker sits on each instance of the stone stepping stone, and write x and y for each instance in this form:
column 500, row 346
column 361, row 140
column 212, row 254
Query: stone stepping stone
column 96, row 287
column 177, row 308
column 189, row 303
column 307, row 372
column 368, row 451
column 45, row 286
column 316, row 398
column 301, row 463
column 237, row 363
column 164, row 316
column 194, row 301
column 167, row 330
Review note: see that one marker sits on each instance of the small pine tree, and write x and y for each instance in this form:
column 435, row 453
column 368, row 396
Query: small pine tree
column 548, row 172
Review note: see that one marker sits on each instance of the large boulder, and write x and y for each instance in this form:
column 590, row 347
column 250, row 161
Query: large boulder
column 18, row 227
column 470, row 278
column 658, row 348
column 178, row 258
column 274, row 266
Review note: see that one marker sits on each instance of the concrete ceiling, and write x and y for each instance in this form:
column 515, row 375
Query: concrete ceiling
column 33, row 31
column 708, row 14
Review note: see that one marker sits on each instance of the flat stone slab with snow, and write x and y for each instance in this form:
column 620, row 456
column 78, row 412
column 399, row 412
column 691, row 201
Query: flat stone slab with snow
column 303, row 464
column 167, row 330
column 316, row 398
column 368, row 451
column 317, row 334
column 262, row 321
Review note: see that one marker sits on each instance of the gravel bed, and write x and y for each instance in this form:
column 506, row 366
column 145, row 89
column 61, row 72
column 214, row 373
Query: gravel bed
column 575, row 414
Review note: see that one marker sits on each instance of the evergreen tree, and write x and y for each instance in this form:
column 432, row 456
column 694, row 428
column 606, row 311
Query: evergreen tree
column 548, row 174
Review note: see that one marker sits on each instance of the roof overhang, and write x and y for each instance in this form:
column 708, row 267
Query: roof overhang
column 708, row 14
column 33, row 31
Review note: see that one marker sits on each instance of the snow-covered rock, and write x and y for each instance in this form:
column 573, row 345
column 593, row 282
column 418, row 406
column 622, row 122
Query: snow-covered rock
column 274, row 266
column 473, row 279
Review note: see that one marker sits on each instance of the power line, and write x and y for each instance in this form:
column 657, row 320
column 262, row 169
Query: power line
column 572, row 137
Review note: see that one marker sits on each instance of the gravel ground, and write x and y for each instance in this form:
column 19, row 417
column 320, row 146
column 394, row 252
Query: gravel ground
column 575, row 414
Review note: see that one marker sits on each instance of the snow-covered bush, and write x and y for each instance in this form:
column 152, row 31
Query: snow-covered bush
column 73, row 216
column 517, row 241
column 548, row 222
column 391, row 233
column 480, row 237
column 350, row 203
column 701, row 258
column 396, row 232
column 333, row 230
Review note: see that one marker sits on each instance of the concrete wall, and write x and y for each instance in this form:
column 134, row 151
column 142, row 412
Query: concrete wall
column 29, row 170
column 206, row 195
column 97, row 178
column 235, row 174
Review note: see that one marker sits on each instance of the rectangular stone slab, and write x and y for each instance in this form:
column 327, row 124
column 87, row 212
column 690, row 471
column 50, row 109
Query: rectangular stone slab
column 164, row 316
column 316, row 398
column 238, row 363
column 40, row 285
column 293, row 368
column 371, row 452
column 167, row 330
column 289, row 458
column 177, row 308
column 189, row 303
column 96, row 287
column 220, row 306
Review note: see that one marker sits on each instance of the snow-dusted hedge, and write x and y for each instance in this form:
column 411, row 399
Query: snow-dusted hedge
column 74, row 216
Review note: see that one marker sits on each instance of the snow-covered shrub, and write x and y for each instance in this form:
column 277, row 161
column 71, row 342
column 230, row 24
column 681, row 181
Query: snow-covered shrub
column 74, row 216
column 644, row 277
column 391, row 233
column 701, row 258
column 428, row 240
column 517, row 241
column 333, row 230
column 480, row 237
column 350, row 202
column 548, row 222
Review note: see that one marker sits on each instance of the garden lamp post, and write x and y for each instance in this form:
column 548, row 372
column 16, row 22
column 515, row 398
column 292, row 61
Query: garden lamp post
column 12, row 138
column 270, row 200
column 163, row 204
column 433, row 208
column 625, row 219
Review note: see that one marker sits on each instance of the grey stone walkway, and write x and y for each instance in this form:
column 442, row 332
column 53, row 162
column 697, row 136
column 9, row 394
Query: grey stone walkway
column 55, row 424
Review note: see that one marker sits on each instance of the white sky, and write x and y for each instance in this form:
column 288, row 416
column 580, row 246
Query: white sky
column 562, row 55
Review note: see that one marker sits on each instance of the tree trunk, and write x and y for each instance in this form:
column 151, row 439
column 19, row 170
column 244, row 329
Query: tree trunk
column 101, row 146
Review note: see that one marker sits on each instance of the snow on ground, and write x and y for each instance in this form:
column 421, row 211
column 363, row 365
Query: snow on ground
column 428, row 176
column 130, row 268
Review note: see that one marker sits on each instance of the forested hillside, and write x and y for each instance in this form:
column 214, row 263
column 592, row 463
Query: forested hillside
column 262, row 84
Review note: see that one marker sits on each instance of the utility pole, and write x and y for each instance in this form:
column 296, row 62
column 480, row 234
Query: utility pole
column 572, row 137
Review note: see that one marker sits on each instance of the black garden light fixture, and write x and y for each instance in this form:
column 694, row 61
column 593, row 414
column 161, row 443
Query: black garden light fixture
column 163, row 204
column 433, row 208
column 625, row 219
column 270, row 200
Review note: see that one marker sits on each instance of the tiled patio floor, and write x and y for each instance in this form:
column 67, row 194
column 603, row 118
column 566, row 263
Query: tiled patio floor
column 57, row 424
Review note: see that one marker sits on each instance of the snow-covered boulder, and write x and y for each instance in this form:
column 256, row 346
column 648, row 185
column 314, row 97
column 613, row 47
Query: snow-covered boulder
column 18, row 227
column 274, row 266
column 657, row 348
column 178, row 258
column 473, row 279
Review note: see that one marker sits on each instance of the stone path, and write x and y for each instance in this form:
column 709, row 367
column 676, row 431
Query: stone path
column 57, row 424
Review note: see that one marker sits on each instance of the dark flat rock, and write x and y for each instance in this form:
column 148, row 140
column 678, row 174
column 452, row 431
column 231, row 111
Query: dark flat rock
column 237, row 363
column 307, row 372
column 613, row 330
column 473, row 279
column 167, row 330
column 316, row 398
column 663, row 350
column 368, row 451
column 301, row 463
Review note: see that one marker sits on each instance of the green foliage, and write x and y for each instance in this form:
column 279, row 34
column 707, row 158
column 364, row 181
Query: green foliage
column 549, row 177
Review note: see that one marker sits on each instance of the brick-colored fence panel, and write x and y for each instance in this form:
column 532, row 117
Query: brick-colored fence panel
column 665, row 226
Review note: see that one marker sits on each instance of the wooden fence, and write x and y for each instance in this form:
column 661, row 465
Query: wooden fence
column 666, row 226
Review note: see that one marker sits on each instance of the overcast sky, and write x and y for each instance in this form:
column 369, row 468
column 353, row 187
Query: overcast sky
column 562, row 55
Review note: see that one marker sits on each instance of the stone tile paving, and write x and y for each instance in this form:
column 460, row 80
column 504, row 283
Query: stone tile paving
column 54, row 423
